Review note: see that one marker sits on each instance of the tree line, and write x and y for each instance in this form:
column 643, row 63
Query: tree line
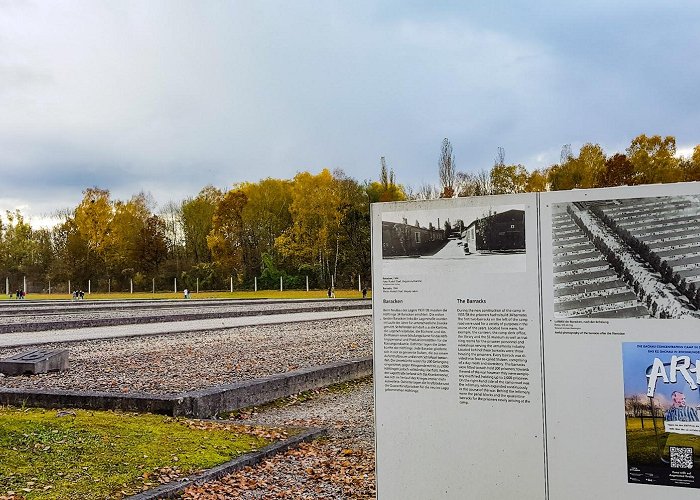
column 647, row 160
column 314, row 225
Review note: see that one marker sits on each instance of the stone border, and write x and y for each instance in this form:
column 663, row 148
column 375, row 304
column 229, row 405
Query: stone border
column 202, row 403
column 174, row 488
column 42, row 326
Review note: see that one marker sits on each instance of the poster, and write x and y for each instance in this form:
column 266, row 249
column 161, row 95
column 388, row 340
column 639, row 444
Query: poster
column 507, row 344
column 662, row 422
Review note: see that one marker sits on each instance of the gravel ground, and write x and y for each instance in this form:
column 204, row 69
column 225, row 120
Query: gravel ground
column 32, row 317
column 169, row 364
column 340, row 466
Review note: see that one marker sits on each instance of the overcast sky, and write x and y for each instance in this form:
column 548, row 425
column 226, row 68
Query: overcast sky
column 167, row 97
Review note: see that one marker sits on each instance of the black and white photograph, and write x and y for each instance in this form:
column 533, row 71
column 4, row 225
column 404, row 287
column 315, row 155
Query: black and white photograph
column 479, row 239
column 627, row 258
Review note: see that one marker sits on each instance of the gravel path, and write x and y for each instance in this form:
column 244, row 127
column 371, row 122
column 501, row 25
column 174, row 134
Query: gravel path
column 169, row 364
column 76, row 315
column 338, row 467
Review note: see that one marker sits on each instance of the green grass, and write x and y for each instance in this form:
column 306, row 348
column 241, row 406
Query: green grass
column 261, row 294
column 96, row 454
column 642, row 445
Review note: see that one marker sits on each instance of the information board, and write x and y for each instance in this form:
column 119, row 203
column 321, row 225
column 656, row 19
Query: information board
column 538, row 345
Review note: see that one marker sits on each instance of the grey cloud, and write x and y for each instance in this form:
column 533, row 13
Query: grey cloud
column 167, row 97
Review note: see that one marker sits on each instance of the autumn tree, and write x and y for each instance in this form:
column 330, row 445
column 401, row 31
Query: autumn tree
column 618, row 171
column 584, row 171
column 313, row 237
column 508, row 179
column 127, row 227
column 536, row 181
column 690, row 167
column 654, row 159
column 228, row 238
column 153, row 244
column 92, row 219
column 386, row 189
column 591, row 165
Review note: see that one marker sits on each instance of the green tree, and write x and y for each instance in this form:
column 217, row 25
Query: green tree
column 354, row 257
column 17, row 246
column 267, row 210
column 197, row 219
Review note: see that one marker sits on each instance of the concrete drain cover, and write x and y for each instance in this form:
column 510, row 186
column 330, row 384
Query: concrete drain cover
column 35, row 361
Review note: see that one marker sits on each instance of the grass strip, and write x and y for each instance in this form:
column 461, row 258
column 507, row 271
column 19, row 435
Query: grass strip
column 94, row 454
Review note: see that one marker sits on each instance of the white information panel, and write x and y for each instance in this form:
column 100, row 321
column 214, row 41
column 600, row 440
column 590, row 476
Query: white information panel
column 538, row 345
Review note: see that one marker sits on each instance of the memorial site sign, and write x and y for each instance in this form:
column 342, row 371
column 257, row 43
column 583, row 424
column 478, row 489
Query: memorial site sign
column 538, row 345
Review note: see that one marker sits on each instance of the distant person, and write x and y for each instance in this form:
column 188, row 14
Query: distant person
column 187, row 293
column 18, row 294
column 330, row 291
column 81, row 295
column 679, row 411
column 364, row 293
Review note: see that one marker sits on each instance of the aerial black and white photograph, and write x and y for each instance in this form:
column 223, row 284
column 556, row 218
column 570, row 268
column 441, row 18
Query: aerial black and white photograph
column 479, row 239
column 627, row 258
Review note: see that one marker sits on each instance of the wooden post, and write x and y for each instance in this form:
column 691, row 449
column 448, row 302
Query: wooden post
column 280, row 283
column 89, row 287
column 49, row 287
column 307, row 283
column 175, row 284
column 7, row 286
column 131, row 286
column 153, row 285
column 197, row 285
column 256, row 283
column 69, row 290
column 109, row 285
column 231, row 284
column 359, row 283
